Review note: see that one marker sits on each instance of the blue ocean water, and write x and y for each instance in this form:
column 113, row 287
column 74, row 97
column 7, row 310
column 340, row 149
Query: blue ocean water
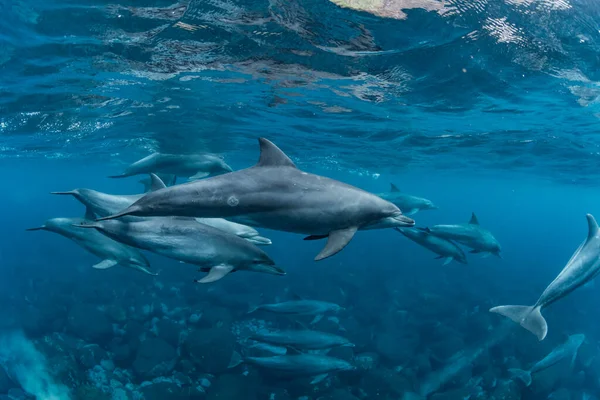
column 480, row 106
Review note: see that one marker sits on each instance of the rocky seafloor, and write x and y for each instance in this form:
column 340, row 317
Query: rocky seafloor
column 89, row 336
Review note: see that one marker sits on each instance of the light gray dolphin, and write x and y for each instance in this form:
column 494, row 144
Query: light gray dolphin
column 471, row 235
column 184, row 239
column 583, row 266
column 300, row 307
column 303, row 339
column 243, row 231
column 567, row 350
column 443, row 247
column 102, row 204
column 409, row 204
column 110, row 251
column 192, row 166
column 275, row 194
column 302, row 365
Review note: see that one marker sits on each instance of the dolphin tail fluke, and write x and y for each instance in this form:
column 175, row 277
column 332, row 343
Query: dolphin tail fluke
column 523, row 376
column 528, row 317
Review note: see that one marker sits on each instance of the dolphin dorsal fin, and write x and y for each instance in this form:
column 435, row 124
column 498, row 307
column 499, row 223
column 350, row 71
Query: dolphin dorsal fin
column 592, row 226
column 272, row 156
column 156, row 183
column 474, row 220
column 89, row 214
column 394, row 188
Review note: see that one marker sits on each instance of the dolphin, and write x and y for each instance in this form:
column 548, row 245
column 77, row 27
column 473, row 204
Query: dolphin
column 300, row 307
column 102, row 204
column 303, row 339
column 471, row 235
column 443, row 247
column 110, row 251
column 192, row 166
column 243, row 231
column 275, row 194
column 168, row 179
column 302, row 365
column 409, row 204
column 184, row 239
column 567, row 350
column 583, row 266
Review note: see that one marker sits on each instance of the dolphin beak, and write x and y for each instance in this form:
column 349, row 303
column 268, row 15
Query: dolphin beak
column 260, row 240
column 404, row 220
column 39, row 228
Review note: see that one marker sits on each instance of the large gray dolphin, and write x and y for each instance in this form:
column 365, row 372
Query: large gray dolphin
column 193, row 166
column 409, row 204
column 275, row 194
column 243, row 231
column 302, row 339
column 110, row 251
column 566, row 350
column 443, row 247
column 471, row 235
column 583, row 266
column 184, row 239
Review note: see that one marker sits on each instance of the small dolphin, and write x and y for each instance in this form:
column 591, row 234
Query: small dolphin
column 302, row 365
column 300, row 307
column 275, row 194
column 583, row 266
column 184, row 239
column 243, row 231
column 301, row 339
column 443, row 247
column 471, row 235
column 567, row 350
column 409, row 204
column 168, row 179
column 193, row 166
column 102, row 204
column 111, row 252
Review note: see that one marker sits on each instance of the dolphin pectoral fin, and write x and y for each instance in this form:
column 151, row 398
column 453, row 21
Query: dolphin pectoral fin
column 105, row 264
column 89, row 214
column 523, row 376
column 198, row 175
column 410, row 212
column 475, row 251
column 336, row 242
column 156, row 183
column 448, row 260
column 485, row 255
column 316, row 319
column 216, row 273
column 425, row 230
column 316, row 237
column 292, row 350
column 438, row 257
column 235, row 360
column 318, row 379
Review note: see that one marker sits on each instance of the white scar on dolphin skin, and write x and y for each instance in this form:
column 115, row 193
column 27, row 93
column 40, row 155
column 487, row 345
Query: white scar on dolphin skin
column 275, row 194
column 192, row 166
column 582, row 268
column 111, row 252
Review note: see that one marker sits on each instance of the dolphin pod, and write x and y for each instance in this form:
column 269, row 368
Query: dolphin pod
column 192, row 166
column 110, row 251
column 583, row 266
column 275, row 194
column 216, row 252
